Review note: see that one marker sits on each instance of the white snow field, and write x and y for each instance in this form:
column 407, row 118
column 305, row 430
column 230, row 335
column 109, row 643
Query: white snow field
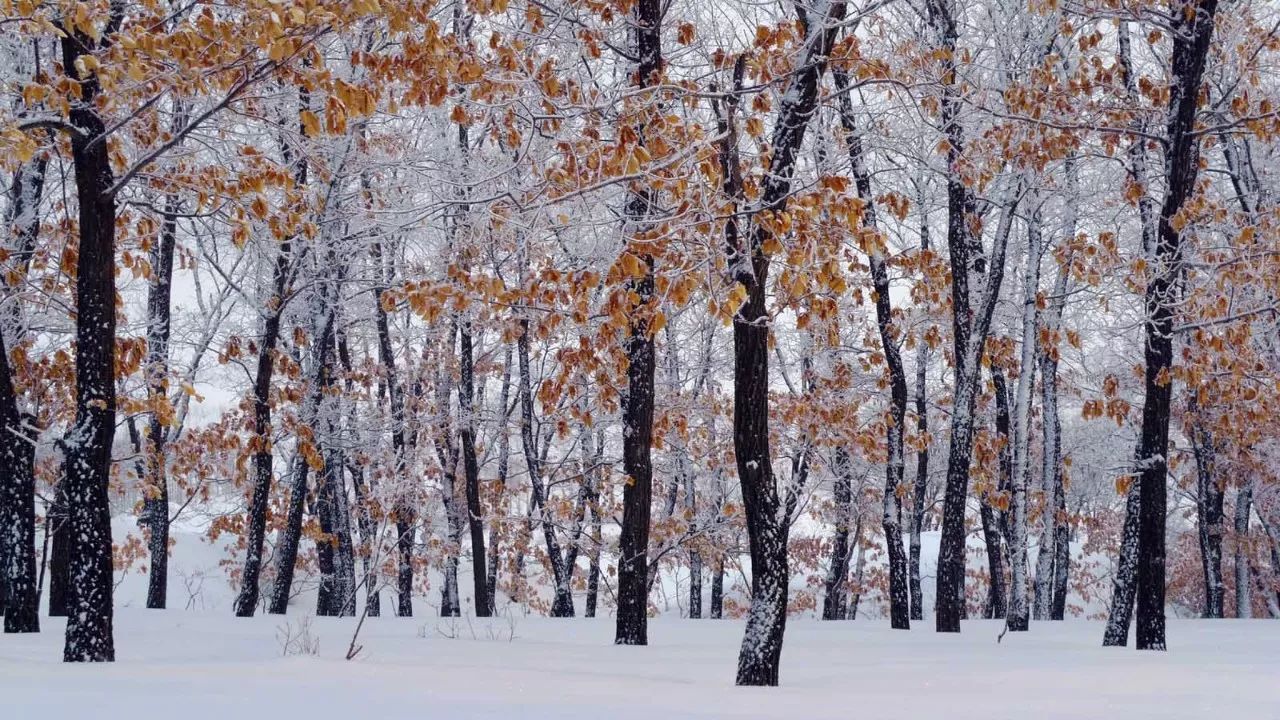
column 181, row 665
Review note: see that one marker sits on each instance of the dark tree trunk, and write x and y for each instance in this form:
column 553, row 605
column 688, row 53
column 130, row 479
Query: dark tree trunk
column 758, row 660
column 1209, row 514
column 1052, row 465
column 263, row 456
column 835, row 599
column 403, row 510
column 637, row 411
column 326, row 590
column 996, row 594
column 597, row 542
column 562, row 605
column 155, row 508
column 262, row 442
column 969, row 325
column 717, row 590
column 1124, row 586
column 859, row 567
column 290, row 536
column 90, row 635
column 19, row 586
column 370, row 543
column 1190, row 52
column 337, row 597
column 920, row 490
column 471, row 468
column 370, row 540
column 59, row 525
column 895, row 424
column 317, row 386
column 995, row 525
column 504, row 459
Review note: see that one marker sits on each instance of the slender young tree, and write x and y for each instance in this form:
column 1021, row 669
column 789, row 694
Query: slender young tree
column 895, row 421
column 971, row 316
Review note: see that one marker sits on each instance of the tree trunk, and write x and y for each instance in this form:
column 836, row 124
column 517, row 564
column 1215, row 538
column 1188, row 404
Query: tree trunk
column 1124, row 586
column 835, row 601
column 332, row 496
column 597, row 538
column 1052, row 466
column 1190, row 52
column 155, row 509
column 995, row 523
column 471, row 468
column 317, row 386
column 920, row 490
column 895, row 422
column 402, row 511
column 1017, row 619
column 1209, row 513
column 504, row 459
column 859, row 568
column 637, row 410
column 262, row 442
column 90, row 635
column 59, row 524
column 19, row 586
column 562, row 605
column 1244, row 597
column 717, row 590
column 969, row 323
column 758, row 659
column 370, row 543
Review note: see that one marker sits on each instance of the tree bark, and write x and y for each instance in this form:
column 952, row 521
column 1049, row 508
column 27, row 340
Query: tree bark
column 19, row 589
column 1190, row 53
column 1052, row 465
column 562, row 605
column 262, row 442
column 90, row 634
column 1017, row 619
column 895, row 422
column 58, row 522
column 970, row 322
column 758, row 659
column 1244, row 596
column 317, row 385
column 835, row 600
column 1209, row 514
column 1124, row 586
column 637, row 410
column 155, row 507
column 995, row 522
column 471, row 468
column 920, row 490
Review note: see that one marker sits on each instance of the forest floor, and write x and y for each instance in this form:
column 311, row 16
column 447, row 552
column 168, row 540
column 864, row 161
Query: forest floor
column 180, row 665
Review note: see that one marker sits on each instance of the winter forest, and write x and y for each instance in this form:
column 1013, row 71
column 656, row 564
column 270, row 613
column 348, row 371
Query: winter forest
column 417, row 354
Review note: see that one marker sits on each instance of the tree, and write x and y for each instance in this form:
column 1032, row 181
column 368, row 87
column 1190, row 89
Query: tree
column 637, row 436
column 758, row 659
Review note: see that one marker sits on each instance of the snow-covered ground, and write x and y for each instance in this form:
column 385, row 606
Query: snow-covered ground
column 180, row 665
